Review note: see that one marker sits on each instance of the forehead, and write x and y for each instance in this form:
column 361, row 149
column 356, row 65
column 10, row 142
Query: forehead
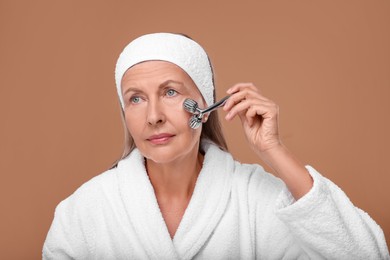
column 152, row 75
column 156, row 71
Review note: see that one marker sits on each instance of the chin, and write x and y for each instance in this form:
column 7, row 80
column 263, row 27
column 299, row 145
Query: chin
column 159, row 154
column 166, row 154
column 161, row 158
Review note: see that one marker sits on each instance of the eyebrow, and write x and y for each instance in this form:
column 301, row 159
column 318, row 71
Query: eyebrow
column 167, row 82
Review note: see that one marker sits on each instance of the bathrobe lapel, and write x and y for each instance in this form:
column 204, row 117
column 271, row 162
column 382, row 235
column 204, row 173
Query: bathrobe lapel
column 206, row 207
column 208, row 202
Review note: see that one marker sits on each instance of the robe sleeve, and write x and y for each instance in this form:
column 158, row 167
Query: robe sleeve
column 69, row 232
column 327, row 225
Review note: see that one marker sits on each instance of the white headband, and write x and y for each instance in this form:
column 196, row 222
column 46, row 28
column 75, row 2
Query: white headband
column 174, row 48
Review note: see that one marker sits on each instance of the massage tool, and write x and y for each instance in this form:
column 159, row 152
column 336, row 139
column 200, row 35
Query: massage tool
column 191, row 106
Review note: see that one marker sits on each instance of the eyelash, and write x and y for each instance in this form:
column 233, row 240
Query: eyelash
column 169, row 90
column 131, row 100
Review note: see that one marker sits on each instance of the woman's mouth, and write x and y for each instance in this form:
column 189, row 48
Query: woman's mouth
column 160, row 138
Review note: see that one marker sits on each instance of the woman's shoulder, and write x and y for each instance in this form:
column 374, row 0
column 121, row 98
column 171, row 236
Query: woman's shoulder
column 104, row 187
column 255, row 174
column 256, row 181
column 244, row 174
column 104, row 180
column 92, row 191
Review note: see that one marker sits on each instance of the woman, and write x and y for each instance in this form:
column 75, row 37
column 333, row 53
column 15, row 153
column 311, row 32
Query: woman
column 177, row 194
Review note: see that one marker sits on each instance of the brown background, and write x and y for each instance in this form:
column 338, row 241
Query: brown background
column 326, row 63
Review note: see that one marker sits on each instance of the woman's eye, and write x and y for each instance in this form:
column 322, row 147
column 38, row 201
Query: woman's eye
column 135, row 100
column 171, row 93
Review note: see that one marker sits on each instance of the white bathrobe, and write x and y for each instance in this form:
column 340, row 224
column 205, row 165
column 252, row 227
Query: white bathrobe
column 237, row 211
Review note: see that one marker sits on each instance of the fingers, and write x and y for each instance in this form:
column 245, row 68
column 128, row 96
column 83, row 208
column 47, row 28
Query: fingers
column 246, row 101
column 259, row 115
column 250, row 108
column 244, row 94
column 239, row 86
column 240, row 92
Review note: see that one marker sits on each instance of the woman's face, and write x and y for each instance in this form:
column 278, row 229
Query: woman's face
column 153, row 94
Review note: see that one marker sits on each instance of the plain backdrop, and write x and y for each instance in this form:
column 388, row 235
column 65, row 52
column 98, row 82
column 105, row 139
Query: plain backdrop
column 325, row 63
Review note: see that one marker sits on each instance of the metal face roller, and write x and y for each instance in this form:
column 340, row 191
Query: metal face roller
column 191, row 106
column 195, row 122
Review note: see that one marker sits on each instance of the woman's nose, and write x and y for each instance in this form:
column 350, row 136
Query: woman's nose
column 155, row 113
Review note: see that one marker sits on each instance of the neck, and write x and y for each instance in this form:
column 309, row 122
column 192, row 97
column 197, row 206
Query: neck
column 175, row 180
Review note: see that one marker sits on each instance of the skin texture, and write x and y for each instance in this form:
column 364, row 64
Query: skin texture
column 154, row 92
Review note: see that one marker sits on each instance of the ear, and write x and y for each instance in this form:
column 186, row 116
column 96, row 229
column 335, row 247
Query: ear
column 205, row 118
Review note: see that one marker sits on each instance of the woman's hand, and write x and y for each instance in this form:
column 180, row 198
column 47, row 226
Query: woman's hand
column 259, row 116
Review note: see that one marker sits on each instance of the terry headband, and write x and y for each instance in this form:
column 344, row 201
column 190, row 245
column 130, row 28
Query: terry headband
column 174, row 48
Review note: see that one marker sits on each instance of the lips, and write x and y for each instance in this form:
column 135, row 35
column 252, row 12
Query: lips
column 160, row 138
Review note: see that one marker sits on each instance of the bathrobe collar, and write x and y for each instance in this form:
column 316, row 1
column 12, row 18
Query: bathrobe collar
column 206, row 207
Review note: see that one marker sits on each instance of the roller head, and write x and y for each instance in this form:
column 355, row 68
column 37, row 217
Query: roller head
column 195, row 122
column 190, row 105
